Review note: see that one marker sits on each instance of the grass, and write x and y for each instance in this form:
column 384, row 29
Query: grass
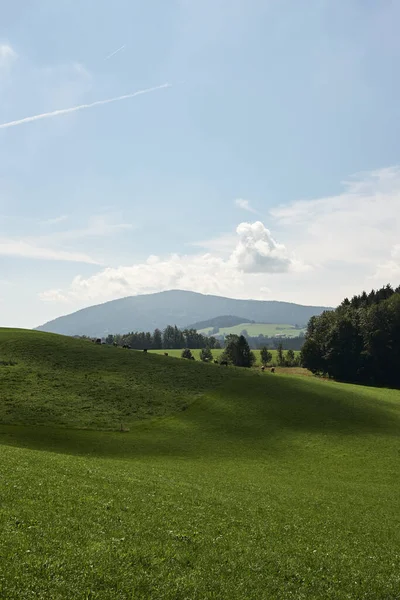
column 266, row 486
column 217, row 353
column 255, row 329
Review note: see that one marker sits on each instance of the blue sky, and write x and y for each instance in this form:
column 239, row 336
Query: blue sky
column 268, row 168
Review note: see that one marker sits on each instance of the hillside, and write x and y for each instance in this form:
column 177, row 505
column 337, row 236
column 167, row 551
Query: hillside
column 222, row 321
column 64, row 381
column 175, row 307
column 265, row 486
column 256, row 329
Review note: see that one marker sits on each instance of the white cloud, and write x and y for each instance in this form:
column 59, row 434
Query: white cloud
column 65, row 111
column 255, row 254
column 359, row 226
column 258, row 252
column 58, row 245
column 98, row 226
column 245, row 205
column 7, row 56
column 55, row 220
column 389, row 270
column 25, row 249
column 345, row 243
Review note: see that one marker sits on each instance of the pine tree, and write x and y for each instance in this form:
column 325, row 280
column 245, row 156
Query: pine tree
column 186, row 353
column 265, row 355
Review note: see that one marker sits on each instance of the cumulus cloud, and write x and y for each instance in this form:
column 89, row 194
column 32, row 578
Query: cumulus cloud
column 321, row 251
column 258, row 252
column 245, row 205
column 205, row 273
column 7, row 55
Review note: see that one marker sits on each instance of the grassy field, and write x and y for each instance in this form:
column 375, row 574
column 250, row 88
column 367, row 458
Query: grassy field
column 255, row 329
column 245, row 486
column 216, row 354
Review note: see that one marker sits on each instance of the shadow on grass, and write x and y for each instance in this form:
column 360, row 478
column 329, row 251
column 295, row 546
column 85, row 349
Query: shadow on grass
column 246, row 416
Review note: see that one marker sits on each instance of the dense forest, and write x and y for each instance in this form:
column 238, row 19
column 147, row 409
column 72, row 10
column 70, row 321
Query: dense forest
column 358, row 342
column 171, row 338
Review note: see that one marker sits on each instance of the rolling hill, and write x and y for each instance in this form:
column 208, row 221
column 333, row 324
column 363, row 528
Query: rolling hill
column 222, row 321
column 255, row 329
column 174, row 307
column 228, row 484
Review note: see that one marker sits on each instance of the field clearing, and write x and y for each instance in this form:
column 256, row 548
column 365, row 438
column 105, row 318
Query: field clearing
column 247, row 486
column 255, row 329
column 217, row 353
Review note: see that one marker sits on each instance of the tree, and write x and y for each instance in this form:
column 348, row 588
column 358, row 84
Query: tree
column 157, row 339
column 186, row 353
column 290, row 358
column 281, row 358
column 168, row 338
column 358, row 342
column 237, row 351
column 110, row 339
column 266, row 356
column 206, row 355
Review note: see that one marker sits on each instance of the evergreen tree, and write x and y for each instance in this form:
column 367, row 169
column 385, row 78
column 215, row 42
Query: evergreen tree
column 266, row 356
column 281, row 358
column 237, row 351
column 359, row 341
column 290, row 358
column 157, row 339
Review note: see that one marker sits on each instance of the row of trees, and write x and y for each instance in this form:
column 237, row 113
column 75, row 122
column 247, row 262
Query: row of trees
column 238, row 353
column 359, row 341
column 170, row 338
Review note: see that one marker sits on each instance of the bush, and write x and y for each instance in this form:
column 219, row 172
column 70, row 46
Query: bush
column 186, row 353
column 206, row 355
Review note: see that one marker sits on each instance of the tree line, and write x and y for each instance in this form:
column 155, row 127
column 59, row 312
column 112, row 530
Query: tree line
column 359, row 341
column 171, row 338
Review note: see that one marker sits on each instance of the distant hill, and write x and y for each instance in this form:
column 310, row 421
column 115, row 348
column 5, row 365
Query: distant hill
column 255, row 329
column 223, row 321
column 176, row 307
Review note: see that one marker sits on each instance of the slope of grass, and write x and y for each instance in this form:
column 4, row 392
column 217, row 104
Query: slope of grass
column 255, row 329
column 266, row 486
column 64, row 381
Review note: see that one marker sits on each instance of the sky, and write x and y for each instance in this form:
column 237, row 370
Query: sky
column 243, row 148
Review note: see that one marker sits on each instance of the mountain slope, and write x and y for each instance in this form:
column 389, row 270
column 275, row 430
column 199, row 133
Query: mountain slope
column 221, row 321
column 175, row 307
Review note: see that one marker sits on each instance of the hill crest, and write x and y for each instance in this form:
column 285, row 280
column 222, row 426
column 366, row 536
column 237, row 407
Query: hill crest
column 173, row 307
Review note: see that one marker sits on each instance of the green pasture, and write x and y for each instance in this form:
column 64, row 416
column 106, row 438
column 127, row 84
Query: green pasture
column 216, row 354
column 223, row 483
column 255, row 329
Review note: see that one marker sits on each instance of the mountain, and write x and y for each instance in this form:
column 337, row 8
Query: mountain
column 222, row 321
column 174, row 307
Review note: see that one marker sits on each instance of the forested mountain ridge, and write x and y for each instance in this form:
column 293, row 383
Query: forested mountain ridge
column 150, row 311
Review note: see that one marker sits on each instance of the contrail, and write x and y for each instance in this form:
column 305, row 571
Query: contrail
column 65, row 111
column 115, row 52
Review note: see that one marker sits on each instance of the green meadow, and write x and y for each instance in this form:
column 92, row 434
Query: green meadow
column 217, row 353
column 133, row 476
column 255, row 329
